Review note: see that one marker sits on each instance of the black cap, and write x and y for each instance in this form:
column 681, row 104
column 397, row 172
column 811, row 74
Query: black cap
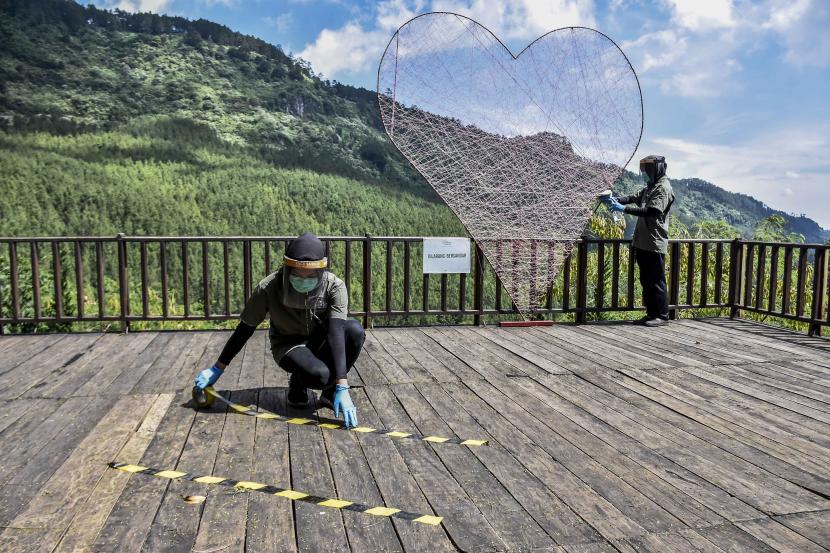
column 306, row 247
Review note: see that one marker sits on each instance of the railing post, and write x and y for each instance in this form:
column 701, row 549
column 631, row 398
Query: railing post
column 367, row 279
column 581, row 280
column 478, row 284
column 735, row 271
column 123, row 284
column 674, row 279
column 819, row 291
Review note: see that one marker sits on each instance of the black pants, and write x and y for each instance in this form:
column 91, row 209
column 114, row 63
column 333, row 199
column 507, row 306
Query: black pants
column 653, row 280
column 313, row 365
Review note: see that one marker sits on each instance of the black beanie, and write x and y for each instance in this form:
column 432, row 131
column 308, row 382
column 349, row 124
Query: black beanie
column 306, row 247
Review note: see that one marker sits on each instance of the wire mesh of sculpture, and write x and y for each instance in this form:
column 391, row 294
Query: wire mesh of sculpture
column 518, row 147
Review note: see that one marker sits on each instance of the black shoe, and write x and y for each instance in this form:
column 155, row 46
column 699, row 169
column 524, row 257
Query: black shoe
column 642, row 320
column 656, row 321
column 297, row 395
column 327, row 398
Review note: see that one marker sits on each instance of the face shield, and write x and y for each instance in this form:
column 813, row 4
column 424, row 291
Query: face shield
column 302, row 282
column 652, row 168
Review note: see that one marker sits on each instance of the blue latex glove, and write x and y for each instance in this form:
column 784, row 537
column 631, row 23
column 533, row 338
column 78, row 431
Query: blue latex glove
column 614, row 205
column 343, row 401
column 208, row 377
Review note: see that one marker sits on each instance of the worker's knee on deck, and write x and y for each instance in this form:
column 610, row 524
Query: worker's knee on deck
column 354, row 332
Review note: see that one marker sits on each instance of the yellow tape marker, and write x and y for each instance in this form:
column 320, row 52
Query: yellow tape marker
column 294, row 495
column 254, row 411
column 336, row 503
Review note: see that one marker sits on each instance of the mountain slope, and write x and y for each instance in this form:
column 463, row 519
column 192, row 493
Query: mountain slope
column 127, row 98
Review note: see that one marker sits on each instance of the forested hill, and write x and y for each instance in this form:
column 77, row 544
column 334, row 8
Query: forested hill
column 141, row 123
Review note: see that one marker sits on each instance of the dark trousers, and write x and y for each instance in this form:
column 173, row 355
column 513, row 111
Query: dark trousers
column 312, row 365
column 653, row 280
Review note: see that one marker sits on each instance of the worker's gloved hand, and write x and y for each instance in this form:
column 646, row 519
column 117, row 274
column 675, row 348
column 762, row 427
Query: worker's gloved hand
column 614, row 205
column 207, row 377
column 343, row 401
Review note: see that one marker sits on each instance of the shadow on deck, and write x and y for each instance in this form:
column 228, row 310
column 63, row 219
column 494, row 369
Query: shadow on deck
column 710, row 435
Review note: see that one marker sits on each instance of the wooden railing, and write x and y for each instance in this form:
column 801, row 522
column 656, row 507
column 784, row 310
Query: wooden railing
column 124, row 279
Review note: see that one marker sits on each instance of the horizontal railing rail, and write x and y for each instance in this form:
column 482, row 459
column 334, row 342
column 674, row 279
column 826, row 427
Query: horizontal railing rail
column 124, row 279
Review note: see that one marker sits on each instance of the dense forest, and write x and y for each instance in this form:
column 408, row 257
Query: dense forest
column 145, row 124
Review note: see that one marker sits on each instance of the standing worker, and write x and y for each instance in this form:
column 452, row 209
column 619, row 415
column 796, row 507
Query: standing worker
column 311, row 336
column 651, row 235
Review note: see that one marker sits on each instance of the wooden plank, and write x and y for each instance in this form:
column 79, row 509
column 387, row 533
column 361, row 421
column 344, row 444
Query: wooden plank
column 482, row 365
column 451, row 363
column 780, row 398
column 688, row 541
column 391, row 370
column 130, row 519
column 159, row 368
column 396, row 485
column 39, row 366
column 270, row 525
column 252, row 364
column 513, row 471
column 513, row 524
column 814, row 526
column 61, row 381
column 353, row 479
column 655, row 418
column 463, row 520
column 636, row 492
column 18, row 348
column 19, row 440
column 511, row 340
column 645, row 472
column 181, row 372
column 769, row 421
column 77, row 417
column 176, row 523
column 123, row 360
column 779, row 537
column 388, row 341
column 646, row 348
column 406, row 338
column 74, row 480
column 515, row 363
column 11, row 411
column 93, row 514
column 739, row 477
column 317, row 529
column 133, row 373
column 223, row 523
column 731, row 538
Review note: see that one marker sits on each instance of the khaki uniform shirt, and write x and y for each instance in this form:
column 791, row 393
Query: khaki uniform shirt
column 291, row 326
column 652, row 233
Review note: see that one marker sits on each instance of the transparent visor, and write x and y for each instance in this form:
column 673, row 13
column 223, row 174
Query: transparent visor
column 302, row 286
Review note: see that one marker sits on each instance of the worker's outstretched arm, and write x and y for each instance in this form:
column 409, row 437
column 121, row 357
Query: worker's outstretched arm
column 233, row 346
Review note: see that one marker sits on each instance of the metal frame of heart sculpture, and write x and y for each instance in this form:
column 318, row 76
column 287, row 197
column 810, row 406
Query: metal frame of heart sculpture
column 518, row 146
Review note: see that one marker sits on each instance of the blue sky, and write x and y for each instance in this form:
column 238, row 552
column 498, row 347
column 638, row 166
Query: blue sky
column 735, row 92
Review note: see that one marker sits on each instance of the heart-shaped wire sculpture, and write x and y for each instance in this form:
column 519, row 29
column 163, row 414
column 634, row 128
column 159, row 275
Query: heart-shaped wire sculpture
column 517, row 146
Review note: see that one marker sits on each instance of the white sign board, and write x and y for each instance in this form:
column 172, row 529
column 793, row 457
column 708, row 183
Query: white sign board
column 446, row 255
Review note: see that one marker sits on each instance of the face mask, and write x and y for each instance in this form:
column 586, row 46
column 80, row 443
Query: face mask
column 303, row 285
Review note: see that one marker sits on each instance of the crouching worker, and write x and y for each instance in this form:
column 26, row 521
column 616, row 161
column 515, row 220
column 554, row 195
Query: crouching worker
column 310, row 336
column 651, row 235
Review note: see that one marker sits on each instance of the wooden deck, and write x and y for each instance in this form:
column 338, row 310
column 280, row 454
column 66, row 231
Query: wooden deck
column 701, row 436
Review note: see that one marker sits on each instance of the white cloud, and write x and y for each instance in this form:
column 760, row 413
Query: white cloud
column 357, row 47
column 801, row 26
column 281, row 22
column 135, row 6
column 349, row 48
column 702, row 14
column 684, row 65
column 763, row 167
column 522, row 19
